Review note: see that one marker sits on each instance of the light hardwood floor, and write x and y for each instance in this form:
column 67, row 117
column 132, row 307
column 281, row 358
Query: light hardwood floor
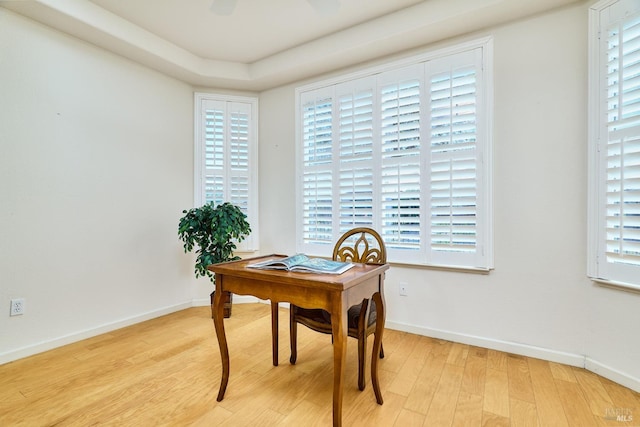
column 166, row 371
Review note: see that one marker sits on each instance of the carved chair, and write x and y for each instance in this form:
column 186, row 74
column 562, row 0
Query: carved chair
column 361, row 245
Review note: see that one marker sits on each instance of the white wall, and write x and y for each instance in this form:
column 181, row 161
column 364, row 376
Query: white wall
column 96, row 166
column 538, row 300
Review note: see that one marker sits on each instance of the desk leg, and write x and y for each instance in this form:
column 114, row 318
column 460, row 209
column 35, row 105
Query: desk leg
column 377, row 343
column 218, row 321
column 274, row 332
column 340, row 331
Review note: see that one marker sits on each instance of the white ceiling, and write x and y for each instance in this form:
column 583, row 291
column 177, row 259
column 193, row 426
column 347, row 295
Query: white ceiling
column 255, row 30
column 266, row 43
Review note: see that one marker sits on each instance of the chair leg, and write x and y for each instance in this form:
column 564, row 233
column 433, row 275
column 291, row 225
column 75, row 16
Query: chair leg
column 362, row 341
column 274, row 332
column 381, row 351
column 293, row 336
column 362, row 350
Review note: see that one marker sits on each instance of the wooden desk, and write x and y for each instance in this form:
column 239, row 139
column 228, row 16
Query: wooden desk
column 334, row 293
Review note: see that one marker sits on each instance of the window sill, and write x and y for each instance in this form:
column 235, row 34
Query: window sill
column 628, row 287
column 457, row 269
column 451, row 268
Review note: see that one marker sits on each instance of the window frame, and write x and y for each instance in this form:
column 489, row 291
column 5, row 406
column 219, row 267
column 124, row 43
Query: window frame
column 485, row 208
column 251, row 242
column 598, row 268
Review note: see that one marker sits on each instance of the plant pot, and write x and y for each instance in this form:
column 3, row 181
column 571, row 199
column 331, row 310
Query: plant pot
column 227, row 299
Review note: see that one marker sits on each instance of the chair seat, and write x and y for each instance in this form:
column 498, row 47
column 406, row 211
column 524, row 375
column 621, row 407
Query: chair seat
column 322, row 316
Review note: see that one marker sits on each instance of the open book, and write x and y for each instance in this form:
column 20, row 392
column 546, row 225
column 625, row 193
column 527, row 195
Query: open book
column 303, row 263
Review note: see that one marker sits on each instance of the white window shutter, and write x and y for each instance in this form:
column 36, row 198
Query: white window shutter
column 238, row 169
column 317, row 172
column 617, row 106
column 213, row 121
column 454, row 159
column 355, row 170
column 401, row 208
column 225, row 148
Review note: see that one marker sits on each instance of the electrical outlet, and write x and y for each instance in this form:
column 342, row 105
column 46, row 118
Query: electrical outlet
column 17, row 306
column 404, row 289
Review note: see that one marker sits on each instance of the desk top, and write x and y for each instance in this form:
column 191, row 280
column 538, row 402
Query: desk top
column 349, row 278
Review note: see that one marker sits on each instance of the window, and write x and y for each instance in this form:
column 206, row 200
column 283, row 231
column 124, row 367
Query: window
column 225, row 156
column 404, row 149
column 614, row 138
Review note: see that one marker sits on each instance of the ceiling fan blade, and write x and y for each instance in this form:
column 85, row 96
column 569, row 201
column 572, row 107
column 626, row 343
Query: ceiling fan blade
column 223, row 7
column 325, row 7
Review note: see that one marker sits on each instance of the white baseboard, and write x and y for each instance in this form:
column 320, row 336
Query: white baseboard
column 237, row 299
column 524, row 350
column 30, row 350
column 613, row 374
column 43, row 346
column 506, row 346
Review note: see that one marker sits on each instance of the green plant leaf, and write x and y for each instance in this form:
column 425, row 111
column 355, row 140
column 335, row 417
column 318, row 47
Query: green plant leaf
column 212, row 229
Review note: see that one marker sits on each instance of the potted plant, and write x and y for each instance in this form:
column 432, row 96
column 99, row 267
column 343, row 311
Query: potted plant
column 214, row 231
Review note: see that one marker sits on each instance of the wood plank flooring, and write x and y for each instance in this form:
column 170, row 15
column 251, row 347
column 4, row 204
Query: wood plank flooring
column 166, row 371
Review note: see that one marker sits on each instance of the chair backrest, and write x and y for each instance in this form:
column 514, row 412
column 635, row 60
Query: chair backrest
column 360, row 244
